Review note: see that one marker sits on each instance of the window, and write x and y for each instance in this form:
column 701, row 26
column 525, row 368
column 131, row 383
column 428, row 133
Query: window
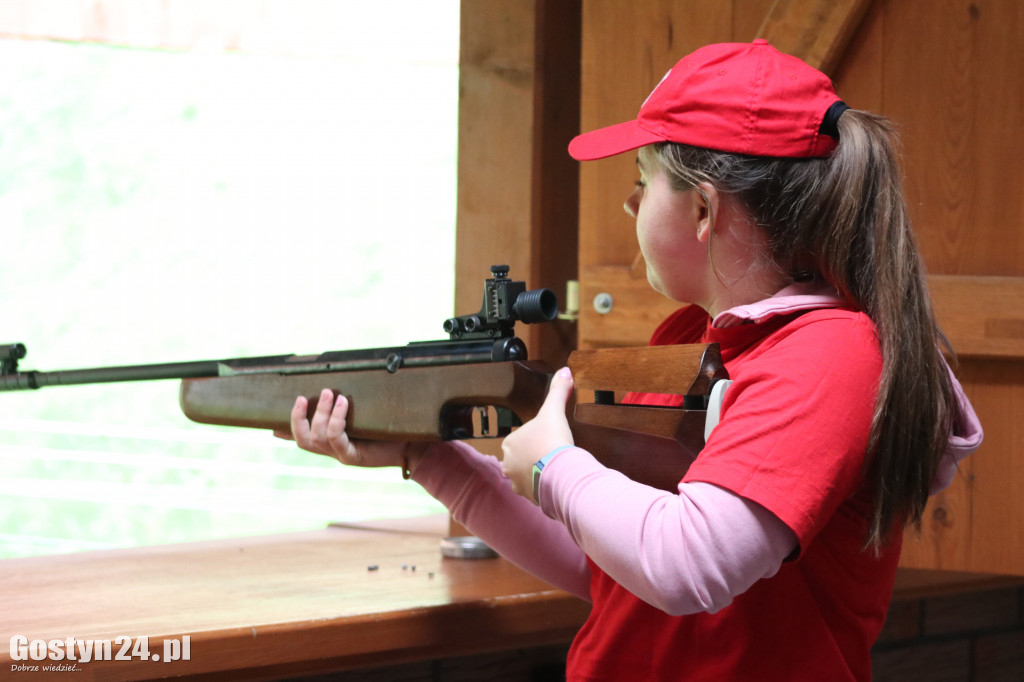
column 165, row 205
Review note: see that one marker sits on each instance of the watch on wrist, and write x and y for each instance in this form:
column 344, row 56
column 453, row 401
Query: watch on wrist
column 538, row 467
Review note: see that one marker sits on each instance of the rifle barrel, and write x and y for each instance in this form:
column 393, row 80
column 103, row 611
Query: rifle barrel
column 417, row 354
column 102, row 375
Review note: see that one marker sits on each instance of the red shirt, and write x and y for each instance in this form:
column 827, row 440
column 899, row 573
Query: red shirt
column 793, row 438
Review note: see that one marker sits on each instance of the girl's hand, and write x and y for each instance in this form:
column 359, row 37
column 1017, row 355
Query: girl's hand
column 325, row 434
column 548, row 430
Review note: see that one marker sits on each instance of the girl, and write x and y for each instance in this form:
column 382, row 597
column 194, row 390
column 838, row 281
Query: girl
column 776, row 212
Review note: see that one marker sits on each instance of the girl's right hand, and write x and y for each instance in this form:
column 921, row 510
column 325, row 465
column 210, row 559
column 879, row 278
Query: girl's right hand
column 325, row 434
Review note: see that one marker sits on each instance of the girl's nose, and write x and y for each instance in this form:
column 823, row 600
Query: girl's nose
column 631, row 203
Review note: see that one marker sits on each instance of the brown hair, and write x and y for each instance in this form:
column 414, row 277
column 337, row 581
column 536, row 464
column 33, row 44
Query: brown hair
column 844, row 218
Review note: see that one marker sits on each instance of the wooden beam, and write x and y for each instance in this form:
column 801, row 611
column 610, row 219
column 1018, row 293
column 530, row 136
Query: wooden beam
column 982, row 315
column 517, row 185
column 816, row 31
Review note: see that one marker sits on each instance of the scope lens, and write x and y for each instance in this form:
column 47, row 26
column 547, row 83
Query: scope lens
column 539, row 305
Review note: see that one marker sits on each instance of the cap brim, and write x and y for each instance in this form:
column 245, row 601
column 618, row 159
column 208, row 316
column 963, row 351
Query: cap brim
column 605, row 142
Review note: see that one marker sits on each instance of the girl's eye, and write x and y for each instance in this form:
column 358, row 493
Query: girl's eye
column 640, row 184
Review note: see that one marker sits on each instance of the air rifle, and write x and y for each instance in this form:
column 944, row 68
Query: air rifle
column 476, row 384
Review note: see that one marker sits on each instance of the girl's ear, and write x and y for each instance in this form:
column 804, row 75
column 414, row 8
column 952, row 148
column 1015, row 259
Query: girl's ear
column 707, row 202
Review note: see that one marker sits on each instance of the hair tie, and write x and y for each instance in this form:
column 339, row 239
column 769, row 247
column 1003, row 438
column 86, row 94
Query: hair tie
column 830, row 123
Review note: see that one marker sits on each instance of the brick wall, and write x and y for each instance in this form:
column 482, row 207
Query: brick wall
column 965, row 637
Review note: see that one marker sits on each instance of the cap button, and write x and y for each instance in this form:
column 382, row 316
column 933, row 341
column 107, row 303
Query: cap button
column 760, row 41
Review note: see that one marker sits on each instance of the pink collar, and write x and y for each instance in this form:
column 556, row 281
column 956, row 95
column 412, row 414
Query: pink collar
column 796, row 297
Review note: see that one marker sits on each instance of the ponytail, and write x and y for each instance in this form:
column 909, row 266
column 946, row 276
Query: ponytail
column 883, row 273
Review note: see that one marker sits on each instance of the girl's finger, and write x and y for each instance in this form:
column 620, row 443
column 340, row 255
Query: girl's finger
column 300, row 424
column 338, row 420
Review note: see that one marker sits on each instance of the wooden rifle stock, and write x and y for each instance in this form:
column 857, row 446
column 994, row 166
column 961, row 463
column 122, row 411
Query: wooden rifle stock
column 652, row 445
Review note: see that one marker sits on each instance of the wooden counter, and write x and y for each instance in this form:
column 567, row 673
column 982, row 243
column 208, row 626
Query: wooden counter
column 282, row 605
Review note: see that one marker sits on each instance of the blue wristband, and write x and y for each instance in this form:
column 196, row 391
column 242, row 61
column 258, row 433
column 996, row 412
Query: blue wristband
column 538, row 467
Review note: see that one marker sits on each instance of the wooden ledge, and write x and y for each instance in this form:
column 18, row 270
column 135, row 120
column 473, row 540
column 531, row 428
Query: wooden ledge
column 915, row 583
column 291, row 604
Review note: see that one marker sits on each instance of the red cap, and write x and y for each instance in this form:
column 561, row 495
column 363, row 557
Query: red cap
column 746, row 98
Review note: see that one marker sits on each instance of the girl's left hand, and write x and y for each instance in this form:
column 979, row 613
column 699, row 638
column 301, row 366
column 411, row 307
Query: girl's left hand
column 548, row 430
